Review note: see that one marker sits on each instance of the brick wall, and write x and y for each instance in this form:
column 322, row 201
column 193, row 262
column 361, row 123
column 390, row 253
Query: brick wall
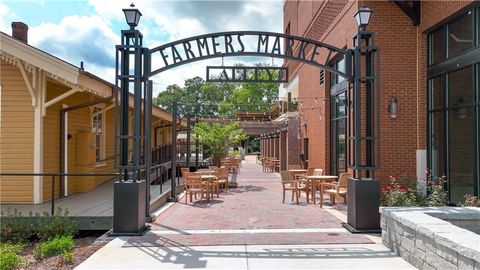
column 293, row 151
column 403, row 74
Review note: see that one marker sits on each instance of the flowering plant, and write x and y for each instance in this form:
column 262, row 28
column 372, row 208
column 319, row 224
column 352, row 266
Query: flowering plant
column 395, row 194
column 470, row 200
column 437, row 196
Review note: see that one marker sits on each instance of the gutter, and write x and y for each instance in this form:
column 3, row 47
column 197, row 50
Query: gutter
column 63, row 131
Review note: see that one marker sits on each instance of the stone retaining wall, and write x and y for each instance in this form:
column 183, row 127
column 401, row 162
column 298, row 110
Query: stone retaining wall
column 425, row 238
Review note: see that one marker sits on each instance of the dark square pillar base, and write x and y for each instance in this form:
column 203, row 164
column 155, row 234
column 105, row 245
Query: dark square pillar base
column 129, row 208
column 363, row 202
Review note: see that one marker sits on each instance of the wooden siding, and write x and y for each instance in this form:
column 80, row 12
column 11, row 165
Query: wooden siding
column 16, row 136
column 79, row 123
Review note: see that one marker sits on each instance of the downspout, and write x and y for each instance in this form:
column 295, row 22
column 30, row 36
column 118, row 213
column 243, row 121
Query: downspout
column 63, row 130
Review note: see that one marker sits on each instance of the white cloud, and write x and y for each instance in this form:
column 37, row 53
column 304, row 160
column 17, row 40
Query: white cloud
column 77, row 38
column 92, row 38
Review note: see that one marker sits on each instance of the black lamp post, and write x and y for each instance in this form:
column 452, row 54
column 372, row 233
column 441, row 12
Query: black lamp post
column 363, row 197
column 131, row 202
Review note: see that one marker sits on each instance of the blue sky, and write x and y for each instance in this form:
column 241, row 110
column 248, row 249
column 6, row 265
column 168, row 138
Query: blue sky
column 87, row 30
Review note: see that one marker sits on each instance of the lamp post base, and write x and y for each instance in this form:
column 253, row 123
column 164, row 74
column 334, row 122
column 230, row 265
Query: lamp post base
column 129, row 208
column 363, row 202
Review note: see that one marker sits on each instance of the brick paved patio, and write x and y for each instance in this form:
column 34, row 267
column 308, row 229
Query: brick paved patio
column 253, row 213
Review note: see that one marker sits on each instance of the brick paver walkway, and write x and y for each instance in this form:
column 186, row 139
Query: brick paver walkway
column 253, row 213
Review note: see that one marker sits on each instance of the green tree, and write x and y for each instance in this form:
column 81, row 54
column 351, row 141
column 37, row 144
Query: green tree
column 217, row 138
column 201, row 99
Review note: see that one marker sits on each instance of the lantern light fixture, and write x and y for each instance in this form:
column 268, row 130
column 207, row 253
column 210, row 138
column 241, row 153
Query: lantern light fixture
column 132, row 16
column 363, row 17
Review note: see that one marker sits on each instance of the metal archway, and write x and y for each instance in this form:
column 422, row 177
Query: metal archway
column 135, row 65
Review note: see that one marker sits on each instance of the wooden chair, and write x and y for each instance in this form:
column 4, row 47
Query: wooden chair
column 185, row 172
column 235, row 165
column 222, row 174
column 288, row 184
column 296, row 186
column 267, row 165
column 335, row 190
column 224, row 163
column 194, row 185
column 310, row 171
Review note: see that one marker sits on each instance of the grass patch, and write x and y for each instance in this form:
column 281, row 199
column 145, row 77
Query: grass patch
column 8, row 255
column 54, row 247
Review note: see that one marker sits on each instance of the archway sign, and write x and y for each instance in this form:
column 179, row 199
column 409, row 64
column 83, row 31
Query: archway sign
column 135, row 65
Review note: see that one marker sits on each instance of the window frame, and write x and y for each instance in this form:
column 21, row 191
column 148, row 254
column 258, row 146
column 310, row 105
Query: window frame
column 99, row 161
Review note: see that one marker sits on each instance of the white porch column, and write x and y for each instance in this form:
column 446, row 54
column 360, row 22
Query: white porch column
column 39, row 83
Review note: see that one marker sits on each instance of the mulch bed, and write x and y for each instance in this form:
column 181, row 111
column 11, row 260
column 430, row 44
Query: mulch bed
column 84, row 248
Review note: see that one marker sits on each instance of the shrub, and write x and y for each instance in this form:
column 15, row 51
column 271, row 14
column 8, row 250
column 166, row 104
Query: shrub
column 54, row 247
column 11, row 248
column 9, row 260
column 58, row 225
column 68, row 257
column 15, row 227
column 436, row 192
column 395, row 194
column 470, row 201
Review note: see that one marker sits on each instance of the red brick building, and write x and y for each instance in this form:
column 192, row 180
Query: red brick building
column 429, row 69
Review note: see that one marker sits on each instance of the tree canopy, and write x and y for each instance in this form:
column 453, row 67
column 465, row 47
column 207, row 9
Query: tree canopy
column 202, row 99
column 218, row 138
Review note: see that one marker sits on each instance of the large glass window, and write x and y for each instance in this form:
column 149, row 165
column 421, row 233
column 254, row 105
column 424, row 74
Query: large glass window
column 460, row 35
column 338, row 127
column 453, row 38
column 453, row 106
column 453, row 147
column 437, row 46
column 340, row 66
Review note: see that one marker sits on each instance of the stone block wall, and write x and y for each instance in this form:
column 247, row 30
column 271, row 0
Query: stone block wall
column 428, row 242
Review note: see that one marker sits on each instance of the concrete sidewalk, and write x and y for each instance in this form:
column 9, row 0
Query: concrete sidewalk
column 341, row 256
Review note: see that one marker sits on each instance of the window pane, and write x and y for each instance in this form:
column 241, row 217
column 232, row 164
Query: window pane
column 437, row 144
column 460, row 87
column 333, row 147
column 460, row 35
column 341, row 67
column 342, row 146
column 462, row 153
column 340, row 105
column 437, row 52
column 437, row 93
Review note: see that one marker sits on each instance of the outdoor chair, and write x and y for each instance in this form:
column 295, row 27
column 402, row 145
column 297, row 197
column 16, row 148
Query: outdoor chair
column 235, row 165
column 267, row 165
column 224, row 163
column 310, row 171
column 296, row 186
column 335, row 190
column 185, row 172
column 194, row 185
column 222, row 174
column 274, row 165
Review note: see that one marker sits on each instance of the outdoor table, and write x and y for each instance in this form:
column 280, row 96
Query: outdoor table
column 205, row 172
column 317, row 180
column 209, row 178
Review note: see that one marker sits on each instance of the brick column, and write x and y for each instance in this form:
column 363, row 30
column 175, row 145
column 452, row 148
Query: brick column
column 283, row 151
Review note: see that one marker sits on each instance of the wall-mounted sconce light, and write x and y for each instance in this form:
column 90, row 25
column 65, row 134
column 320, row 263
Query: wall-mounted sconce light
column 461, row 112
column 393, row 107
